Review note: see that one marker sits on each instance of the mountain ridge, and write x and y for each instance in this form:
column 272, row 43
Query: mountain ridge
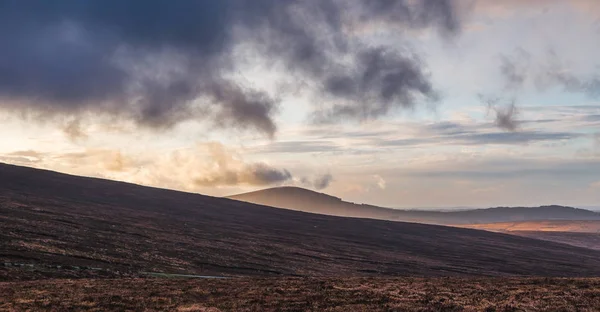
column 300, row 199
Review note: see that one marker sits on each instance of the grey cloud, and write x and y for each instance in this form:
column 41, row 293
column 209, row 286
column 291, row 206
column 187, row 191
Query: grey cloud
column 159, row 62
column 422, row 14
column 263, row 174
column 448, row 128
column 505, row 112
column 515, row 69
column 229, row 170
column 589, row 86
column 382, row 81
column 300, row 147
column 74, row 131
column 591, row 118
column 254, row 174
column 323, row 181
column 506, row 117
column 554, row 72
column 320, row 182
column 449, row 133
column 514, row 137
column 513, row 168
column 437, row 134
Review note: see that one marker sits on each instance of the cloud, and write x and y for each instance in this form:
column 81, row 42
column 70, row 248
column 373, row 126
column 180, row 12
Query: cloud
column 299, row 147
column 589, row 7
column 111, row 161
column 27, row 157
column 320, row 182
column 159, row 63
column 205, row 165
column 323, row 181
column 381, row 183
column 548, row 72
column 518, row 71
column 229, row 169
column 510, row 168
column 387, row 138
column 381, row 82
column 73, row 130
column 514, row 72
column 506, row 117
column 515, row 69
column 450, row 133
column 254, row 174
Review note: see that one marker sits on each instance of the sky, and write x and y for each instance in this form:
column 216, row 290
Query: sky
column 404, row 104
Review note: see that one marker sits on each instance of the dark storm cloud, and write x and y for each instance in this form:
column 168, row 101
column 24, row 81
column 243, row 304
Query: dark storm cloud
column 160, row 62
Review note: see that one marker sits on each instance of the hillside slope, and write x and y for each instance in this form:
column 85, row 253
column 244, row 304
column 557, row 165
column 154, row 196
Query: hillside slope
column 50, row 220
column 300, row 199
column 577, row 233
column 579, row 226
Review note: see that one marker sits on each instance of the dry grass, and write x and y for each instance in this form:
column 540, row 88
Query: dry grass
column 307, row 294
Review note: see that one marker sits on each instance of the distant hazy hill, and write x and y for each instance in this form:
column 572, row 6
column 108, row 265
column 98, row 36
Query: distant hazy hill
column 305, row 200
column 56, row 225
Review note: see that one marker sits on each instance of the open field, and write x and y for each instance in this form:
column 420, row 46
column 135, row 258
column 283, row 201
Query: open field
column 583, row 233
column 586, row 240
column 305, row 294
column 573, row 226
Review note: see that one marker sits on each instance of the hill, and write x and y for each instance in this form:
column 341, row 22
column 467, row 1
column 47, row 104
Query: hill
column 300, row 199
column 56, row 225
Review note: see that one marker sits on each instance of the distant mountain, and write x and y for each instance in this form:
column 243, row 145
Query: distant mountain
column 300, row 199
column 56, row 225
